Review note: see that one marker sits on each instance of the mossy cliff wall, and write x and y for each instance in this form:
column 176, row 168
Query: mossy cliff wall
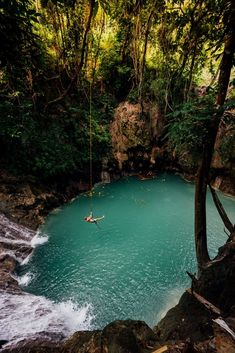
column 139, row 145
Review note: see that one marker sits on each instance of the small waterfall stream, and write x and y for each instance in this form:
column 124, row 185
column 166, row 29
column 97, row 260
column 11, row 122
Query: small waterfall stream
column 25, row 316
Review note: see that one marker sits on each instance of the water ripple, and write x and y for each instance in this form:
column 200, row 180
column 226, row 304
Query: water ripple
column 134, row 264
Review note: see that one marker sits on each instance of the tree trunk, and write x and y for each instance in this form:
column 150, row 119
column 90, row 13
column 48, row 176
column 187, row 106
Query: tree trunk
column 147, row 31
column 200, row 211
column 227, row 59
column 191, row 69
column 84, row 42
column 204, row 168
column 81, row 63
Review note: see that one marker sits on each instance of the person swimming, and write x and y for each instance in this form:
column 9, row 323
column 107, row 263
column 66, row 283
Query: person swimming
column 90, row 219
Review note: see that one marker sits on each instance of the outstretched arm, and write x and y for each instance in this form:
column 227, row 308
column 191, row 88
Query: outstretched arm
column 98, row 219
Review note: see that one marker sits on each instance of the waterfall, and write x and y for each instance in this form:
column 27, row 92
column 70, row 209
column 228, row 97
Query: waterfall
column 25, row 316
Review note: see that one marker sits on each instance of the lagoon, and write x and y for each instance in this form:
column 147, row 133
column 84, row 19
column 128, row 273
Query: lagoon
column 133, row 265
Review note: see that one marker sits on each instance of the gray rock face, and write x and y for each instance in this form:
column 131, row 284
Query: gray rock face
column 133, row 132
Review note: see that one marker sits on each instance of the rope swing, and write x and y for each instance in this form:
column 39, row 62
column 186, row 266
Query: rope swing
column 90, row 148
column 90, row 218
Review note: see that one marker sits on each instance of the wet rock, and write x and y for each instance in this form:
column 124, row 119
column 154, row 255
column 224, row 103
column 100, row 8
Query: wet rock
column 15, row 241
column 14, row 247
column 2, row 342
column 83, row 342
column 20, row 251
column 188, row 319
column 216, row 282
column 7, row 283
column 118, row 337
column 128, row 336
column 28, row 201
column 34, row 346
column 105, row 177
column 225, row 183
column 7, row 262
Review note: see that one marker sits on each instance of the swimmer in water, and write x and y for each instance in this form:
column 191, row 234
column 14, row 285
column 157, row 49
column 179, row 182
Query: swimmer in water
column 90, row 219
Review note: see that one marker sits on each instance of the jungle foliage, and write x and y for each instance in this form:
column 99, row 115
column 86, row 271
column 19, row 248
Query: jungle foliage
column 63, row 61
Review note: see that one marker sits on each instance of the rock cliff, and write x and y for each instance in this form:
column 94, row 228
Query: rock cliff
column 138, row 145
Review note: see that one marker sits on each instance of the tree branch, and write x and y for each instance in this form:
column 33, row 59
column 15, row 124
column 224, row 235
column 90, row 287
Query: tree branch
column 81, row 63
column 205, row 302
column 194, row 280
column 228, row 224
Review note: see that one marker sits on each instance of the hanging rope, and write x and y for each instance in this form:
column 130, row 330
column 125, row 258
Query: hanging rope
column 90, row 142
column 90, row 218
column 93, row 68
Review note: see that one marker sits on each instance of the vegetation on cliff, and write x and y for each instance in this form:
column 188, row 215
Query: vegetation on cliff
column 64, row 60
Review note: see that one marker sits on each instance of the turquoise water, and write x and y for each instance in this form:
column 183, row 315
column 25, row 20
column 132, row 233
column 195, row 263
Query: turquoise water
column 133, row 265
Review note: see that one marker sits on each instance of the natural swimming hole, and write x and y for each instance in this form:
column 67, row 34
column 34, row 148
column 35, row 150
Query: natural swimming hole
column 133, row 266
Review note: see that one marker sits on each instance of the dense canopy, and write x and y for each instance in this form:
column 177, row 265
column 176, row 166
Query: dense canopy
column 58, row 58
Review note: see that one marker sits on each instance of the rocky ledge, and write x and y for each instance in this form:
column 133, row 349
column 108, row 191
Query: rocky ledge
column 27, row 201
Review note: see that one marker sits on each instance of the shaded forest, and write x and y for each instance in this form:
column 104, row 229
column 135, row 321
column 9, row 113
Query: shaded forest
column 64, row 61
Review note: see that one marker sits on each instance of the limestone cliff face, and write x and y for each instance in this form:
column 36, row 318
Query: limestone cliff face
column 137, row 144
column 224, row 157
column 225, row 142
column 134, row 132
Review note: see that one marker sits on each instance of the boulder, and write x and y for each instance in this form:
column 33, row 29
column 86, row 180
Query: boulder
column 187, row 320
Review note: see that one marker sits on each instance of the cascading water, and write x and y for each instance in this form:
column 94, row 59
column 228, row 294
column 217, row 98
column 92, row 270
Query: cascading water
column 27, row 316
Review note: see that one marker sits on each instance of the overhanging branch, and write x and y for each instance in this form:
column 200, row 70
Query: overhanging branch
column 228, row 224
